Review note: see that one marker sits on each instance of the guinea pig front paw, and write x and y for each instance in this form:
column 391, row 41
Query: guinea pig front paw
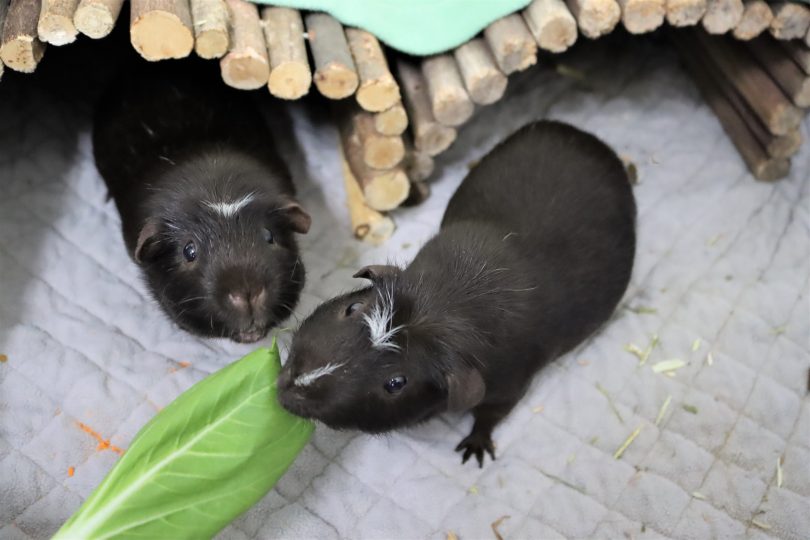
column 476, row 443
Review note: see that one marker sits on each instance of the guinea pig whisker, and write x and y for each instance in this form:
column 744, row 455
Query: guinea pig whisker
column 192, row 299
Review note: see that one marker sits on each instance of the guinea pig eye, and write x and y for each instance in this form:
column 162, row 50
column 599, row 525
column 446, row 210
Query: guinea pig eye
column 190, row 251
column 268, row 236
column 395, row 384
column 353, row 307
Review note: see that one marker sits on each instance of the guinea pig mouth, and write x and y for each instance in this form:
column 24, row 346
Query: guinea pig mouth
column 249, row 335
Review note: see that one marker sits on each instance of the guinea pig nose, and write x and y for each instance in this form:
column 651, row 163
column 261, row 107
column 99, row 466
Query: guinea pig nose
column 258, row 300
column 239, row 300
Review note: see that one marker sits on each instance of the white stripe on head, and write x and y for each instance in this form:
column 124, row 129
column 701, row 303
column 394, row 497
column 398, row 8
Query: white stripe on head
column 380, row 320
column 229, row 209
column 308, row 378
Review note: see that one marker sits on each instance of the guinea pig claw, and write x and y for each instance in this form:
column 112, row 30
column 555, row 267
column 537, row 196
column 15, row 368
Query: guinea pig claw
column 476, row 444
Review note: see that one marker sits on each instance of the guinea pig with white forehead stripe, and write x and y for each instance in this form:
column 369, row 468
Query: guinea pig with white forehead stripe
column 534, row 253
column 207, row 206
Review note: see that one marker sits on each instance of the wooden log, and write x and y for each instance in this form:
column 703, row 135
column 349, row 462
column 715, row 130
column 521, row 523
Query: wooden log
column 429, row 136
column 367, row 224
column 211, row 20
column 96, row 18
column 21, row 49
column 764, row 97
column 642, row 16
column 595, row 17
column 290, row 76
column 552, row 25
column 799, row 52
column 484, row 81
column 722, row 15
column 761, row 165
column 757, row 17
column 419, row 193
column 511, row 43
column 3, row 11
column 418, row 165
column 682, row 13
column 393, row 121
column 379, row 151
column 56, row 21
column 247, row 65
column 382, row 190
column 782, row 69
column 335, row 74
column 161, row 29
column 448, row 99
column 378, row 90
column 790, row 20
column 780, row 146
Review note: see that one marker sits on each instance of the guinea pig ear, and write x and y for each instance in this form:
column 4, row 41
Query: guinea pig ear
column 465, row 390
column 375, row 272
column 146, row 238
column 297, row 216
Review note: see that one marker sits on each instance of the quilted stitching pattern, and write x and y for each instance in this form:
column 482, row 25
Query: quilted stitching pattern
column 721, row 259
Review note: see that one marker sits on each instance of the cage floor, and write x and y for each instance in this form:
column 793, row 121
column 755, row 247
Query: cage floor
column 723, row 272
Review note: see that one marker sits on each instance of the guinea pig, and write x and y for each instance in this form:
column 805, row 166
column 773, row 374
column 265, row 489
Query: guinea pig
column 534, row 252
column 207, row 206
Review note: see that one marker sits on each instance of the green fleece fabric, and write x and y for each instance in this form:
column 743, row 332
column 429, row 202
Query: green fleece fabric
column 418, row 27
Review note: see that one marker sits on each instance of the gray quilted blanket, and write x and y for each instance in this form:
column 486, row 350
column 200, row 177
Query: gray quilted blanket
column 721, row 282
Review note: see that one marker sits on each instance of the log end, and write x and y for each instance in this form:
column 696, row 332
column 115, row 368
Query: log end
column 488, row 88
column 22, row 54
column 336, row 81
column 419, row 166
column 756, row 19
column 681, row 13
column 452, row 108
column 160, row 35
column 211, row 44
column 786, row 145
column 94, row 20
column 383, row 152
column 723, row 16
column 434, row 139
column 379, row 94
column 393, row 121
column 56, row 29
column 245, row 70
column 558, row 35
column 642, row 16
column 387, row 190
column 599, row 17
column 290, row 80
column 771, row 170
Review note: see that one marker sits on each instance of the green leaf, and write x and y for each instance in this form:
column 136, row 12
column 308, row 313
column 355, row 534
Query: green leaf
column 203, row 460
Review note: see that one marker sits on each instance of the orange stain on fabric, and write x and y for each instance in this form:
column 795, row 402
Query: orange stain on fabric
column 180, row 365
column 103, row 444
column 3, row 358
column 71, row 470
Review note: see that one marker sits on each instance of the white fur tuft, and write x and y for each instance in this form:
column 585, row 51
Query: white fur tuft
column 379, row 322
column 229, row 209
column 308, row 378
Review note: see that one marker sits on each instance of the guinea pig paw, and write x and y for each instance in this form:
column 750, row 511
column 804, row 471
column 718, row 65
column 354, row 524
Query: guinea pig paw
column 476, row 444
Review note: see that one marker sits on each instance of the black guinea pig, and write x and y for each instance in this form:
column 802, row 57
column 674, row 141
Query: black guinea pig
column 535, row 251
column 207, row 205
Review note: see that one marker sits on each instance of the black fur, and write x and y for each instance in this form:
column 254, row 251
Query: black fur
column 167, row 140
column 535, row 251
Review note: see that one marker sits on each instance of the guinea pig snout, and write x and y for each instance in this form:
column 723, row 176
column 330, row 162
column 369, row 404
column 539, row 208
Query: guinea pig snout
column 290, row 395
column 247, row 300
